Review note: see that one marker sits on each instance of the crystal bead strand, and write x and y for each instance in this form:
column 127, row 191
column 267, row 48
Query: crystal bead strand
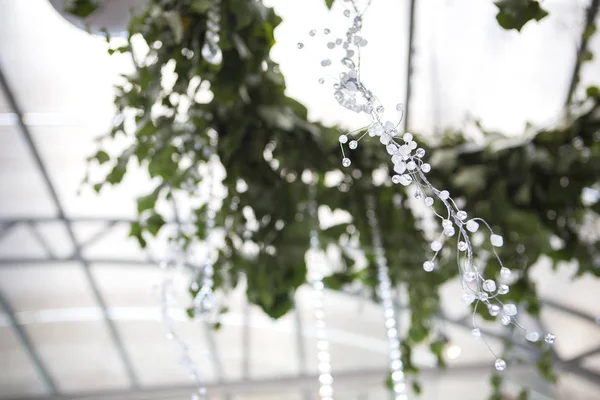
column 410, row 168
column 385, row 293
column 315, row 278
column 211, row 51
column 167, row 297
column 204, row 301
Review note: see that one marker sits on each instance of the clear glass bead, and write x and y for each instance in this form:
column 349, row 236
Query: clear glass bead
column 300, row 45
column 446, row 223
column 444, row 195
column 505, row 273
column 411, row 165
column 532, row 336
column 476, row 332
column 321, row 81
column 462, row 246
column 436, row 246
column 428, row 266
column 472, row 226
column 397, row 376
column 405, row 180
column 211, row 53
column 343, row 139
column 348, row 62
column 503, row 289
column 346, row 162
column 500, row 364
column 494, row 310
column 468, row 298
column 400, row 167
column 327, row 31
column 407, row 137
column 396, row 179
column 338, row 41
column 425, row 167
column 470, row 276
column 326, row 63
column 413, row 145
column 346, row 13
column 510, row 309
column 429, row 201
column 420, row 153
column 505, row 320
column 312, row 33
column 496, row 240
column 353, row 144
column 391, row 148
column 489, row 285
column 549, row 338
column 483, row 296
column 384, row 138
column 462, row 215
column 418, row 195
column 449, row 231
column 331, row 45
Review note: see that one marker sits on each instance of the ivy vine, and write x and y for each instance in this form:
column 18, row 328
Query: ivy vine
column 530, row 189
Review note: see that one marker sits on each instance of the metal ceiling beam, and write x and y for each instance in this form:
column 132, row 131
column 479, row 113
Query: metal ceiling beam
column 30, row 349
column 112, row 330
column 409, row 67
column 349, row 380
column 41, row 240
column 590, row 18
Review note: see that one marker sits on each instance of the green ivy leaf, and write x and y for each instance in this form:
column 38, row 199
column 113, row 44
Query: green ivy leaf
column 101, row 156
column 593, row 91
column 81, row 8
column 136, row 232
column 514, row 14
column 329, row 3
column 147, row 202
column 200, row 6
column 586, row 56
column 154, row 223
column 589, row 31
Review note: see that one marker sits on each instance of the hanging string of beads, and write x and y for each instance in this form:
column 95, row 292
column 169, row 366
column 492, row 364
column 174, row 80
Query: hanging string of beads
column 315, row 266
column 385, row 294
column 168, row 294
column 211, row 51
column 204, row 301
column 410, row 168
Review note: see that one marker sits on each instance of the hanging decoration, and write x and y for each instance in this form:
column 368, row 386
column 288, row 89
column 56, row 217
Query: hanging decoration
column 203, row 303
column 385, row 294
column 315, row 265
column 410, row 169
column 211, row 51
column 168, row 294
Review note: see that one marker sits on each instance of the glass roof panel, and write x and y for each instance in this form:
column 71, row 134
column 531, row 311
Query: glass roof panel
column 561, row 286
column 48, row 285
column 475, row 68
column 52, row 66
column 18, row 377
column 20, row 177
column 55, row 234
column 79, row 355
column 20, row 241
column 64, row 150
column 580, row 336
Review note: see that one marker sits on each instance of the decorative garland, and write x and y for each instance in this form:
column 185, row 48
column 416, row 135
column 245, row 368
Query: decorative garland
column 410, row 169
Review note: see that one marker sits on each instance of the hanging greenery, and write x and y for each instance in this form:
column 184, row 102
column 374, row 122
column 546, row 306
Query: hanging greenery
column 529, row 189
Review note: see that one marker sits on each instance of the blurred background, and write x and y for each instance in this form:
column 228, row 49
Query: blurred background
column 79, row 310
